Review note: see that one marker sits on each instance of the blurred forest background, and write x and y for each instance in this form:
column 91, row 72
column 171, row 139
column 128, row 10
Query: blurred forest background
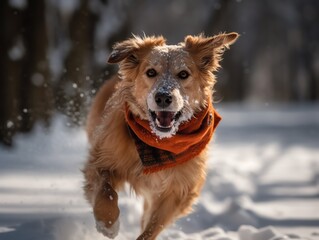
column 53, row 52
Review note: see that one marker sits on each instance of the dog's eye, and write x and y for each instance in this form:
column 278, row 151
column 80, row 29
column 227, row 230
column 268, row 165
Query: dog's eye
column 151, row 73
column 183, row 74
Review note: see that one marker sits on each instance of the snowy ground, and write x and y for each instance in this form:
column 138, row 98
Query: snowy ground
column 262, row 183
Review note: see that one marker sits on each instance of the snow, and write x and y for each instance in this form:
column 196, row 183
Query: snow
column 37, row 79
column 262, row 182
column 17, row 51
column 10, row 124
column 19, row 4
column 111, row 232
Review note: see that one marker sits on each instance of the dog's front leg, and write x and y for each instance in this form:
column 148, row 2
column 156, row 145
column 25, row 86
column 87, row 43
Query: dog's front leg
column 104, row 199
column 105, row 209
column 163, row 211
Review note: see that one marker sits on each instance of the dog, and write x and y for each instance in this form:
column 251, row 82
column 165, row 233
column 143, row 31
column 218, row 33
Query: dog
column 150, row 126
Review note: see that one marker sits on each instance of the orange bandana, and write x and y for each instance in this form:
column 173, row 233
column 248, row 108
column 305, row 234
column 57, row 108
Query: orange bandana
column 190, row 140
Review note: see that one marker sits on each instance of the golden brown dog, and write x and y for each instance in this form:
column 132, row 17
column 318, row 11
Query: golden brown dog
column 150, row 126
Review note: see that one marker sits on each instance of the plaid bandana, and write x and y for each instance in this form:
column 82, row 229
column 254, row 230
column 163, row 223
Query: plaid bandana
column 190, row 140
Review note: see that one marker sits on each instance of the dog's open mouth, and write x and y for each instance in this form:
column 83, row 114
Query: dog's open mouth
column 164, row 120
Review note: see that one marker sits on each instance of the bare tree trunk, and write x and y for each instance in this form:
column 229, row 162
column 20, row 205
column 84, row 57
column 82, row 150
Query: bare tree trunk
column 232, row 73
column 25, row 91
column 36, row 92
column 71, row 93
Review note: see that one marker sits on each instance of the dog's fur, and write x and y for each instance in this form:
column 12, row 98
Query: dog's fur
column 148, row 66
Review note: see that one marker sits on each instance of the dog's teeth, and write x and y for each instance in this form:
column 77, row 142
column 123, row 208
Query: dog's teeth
column 160, row 125
column 165, row 119
column 157, row 122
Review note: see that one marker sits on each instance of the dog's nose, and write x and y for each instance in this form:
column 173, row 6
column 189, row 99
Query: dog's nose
column 163, row 100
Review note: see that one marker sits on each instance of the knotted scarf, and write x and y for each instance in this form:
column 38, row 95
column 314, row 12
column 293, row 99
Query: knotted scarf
column 189, row 141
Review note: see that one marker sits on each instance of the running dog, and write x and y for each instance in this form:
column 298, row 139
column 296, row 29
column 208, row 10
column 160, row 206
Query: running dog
column 150, row 126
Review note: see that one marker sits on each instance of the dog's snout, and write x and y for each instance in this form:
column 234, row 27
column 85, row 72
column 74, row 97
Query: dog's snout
column 163, row 100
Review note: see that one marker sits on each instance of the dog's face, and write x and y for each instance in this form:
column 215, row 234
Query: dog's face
column 169, row 82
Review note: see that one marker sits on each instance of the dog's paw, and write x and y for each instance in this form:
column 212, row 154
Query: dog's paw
column 110, row 232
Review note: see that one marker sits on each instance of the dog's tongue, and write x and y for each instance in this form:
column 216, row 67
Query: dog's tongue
column 164, row 118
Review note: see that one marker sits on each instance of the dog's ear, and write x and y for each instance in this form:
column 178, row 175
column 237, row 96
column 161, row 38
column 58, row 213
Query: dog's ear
column 207, row 51
column 133, row 48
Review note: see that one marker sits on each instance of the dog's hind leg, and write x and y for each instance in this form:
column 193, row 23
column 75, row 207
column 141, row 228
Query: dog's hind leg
column 163, row 211
column 100, row 192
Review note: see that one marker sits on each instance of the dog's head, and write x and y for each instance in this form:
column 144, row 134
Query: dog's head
column 169, row 82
